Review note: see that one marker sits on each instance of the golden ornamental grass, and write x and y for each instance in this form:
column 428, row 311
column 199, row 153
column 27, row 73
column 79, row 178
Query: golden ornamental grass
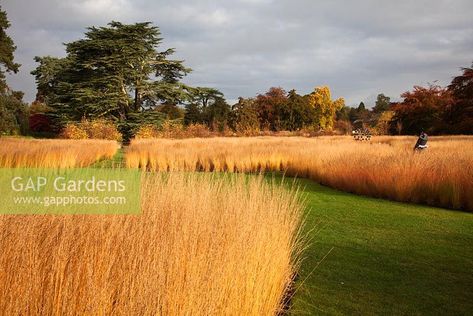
column 386, row 167
column 204, row 245
column 57, row 153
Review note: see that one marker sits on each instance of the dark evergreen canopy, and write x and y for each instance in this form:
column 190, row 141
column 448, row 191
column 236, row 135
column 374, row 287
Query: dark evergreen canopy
column 7, row 48
column 115, row 71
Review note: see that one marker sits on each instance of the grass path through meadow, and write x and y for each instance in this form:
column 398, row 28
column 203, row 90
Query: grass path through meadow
column 117, row 161
column 388, row 258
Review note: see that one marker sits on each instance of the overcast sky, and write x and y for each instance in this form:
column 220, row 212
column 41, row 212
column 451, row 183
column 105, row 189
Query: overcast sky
column 243, row 47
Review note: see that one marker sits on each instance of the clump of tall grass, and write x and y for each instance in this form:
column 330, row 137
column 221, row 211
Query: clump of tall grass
column 386, row 167
column 203, row 245
column 177, row 130
column 32, row 153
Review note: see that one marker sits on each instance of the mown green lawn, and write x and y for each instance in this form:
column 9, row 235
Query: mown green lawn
column 383, row 257
column 117, row 161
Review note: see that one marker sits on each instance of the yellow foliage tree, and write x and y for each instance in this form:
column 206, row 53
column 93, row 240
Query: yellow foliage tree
column 384, row 121
column 325, row 107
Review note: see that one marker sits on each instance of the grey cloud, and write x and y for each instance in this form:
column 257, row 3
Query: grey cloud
column 243, row 47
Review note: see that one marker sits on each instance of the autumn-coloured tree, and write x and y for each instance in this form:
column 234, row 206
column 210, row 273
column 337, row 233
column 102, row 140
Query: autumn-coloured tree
column 325, row 107
column 383, row 123
column 268, row 107
column 422, row 109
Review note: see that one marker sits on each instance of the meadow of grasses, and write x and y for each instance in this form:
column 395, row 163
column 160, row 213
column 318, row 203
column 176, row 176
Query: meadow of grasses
column 57, row 153
column 386, row 167
column 203, row 245
column 217, row 244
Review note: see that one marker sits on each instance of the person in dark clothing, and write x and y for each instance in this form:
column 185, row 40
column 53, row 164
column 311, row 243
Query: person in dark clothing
column 421, row 142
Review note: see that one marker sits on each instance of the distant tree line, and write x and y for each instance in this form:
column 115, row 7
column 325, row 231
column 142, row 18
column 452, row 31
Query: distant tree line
column 433, row 109
column 118, row 73
column 275, row 110
column 437, row 110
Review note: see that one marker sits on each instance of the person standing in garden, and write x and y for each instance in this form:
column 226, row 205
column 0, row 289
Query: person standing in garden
column 421, row 143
